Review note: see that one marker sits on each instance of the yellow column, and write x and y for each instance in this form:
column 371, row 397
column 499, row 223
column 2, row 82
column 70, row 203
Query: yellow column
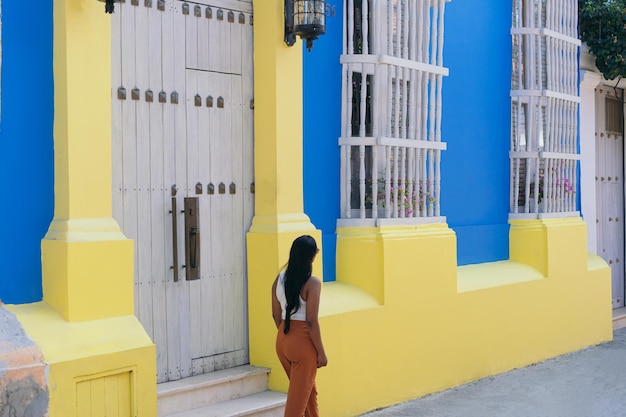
column 87, row 261
column 95, row 346
column 279, row 216
column 278, row 121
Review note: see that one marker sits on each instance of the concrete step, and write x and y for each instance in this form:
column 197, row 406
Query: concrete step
column 211, row 389
column 263, row 404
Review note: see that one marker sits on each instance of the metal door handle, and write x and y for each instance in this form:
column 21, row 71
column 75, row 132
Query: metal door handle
column 193, row 242
column 174, row 266
column 192, row 239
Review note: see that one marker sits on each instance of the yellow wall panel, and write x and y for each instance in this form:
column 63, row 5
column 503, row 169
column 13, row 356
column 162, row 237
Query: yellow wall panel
column 96, row 399
column 125, row 396
column 113, row 385
column 83, row 393
column 105, row 396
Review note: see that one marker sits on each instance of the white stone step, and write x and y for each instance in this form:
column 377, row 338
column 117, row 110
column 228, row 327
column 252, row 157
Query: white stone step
column 264, row 404
column 211, row 388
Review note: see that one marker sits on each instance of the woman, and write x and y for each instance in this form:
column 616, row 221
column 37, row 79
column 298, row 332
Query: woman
column 295, row 305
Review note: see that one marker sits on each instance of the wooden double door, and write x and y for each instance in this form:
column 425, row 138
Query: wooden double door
column 182, row 118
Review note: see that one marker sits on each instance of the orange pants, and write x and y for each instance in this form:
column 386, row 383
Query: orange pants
column 299, row 358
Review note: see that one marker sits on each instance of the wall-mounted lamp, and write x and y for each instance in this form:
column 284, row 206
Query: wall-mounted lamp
column 304, row 18
column 109, row 7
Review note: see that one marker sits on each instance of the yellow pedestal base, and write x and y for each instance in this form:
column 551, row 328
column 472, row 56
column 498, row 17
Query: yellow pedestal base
column 107, row 365
column 88, row 269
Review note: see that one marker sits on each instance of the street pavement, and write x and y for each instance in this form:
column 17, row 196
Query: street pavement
column 587, row 383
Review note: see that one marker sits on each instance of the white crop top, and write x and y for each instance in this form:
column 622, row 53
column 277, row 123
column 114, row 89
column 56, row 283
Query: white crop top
column 282, row 299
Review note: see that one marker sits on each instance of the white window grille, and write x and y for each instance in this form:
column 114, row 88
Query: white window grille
column 391, row 122
column 544, row 108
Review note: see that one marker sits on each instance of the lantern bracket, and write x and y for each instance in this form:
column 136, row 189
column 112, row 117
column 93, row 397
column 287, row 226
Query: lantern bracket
column 290, row 37
column 109, row 6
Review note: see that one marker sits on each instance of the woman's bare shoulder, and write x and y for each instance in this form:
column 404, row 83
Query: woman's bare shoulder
column 313, row 282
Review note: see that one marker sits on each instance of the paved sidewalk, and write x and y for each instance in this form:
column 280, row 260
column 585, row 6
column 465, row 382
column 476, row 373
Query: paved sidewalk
column 587, row 383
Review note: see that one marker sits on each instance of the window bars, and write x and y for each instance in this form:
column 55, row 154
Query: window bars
column 391, row 119
column 544, row 108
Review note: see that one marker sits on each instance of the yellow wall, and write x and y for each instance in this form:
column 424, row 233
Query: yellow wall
column 411, row 322
column 85, row 328
column 403, row 320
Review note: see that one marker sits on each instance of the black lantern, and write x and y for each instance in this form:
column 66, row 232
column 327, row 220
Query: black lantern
column 305, row 18
column 108, row 5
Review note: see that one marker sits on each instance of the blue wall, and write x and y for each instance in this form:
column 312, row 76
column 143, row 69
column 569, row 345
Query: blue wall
column 476, row 125
column 322, row 128
column 26, row 147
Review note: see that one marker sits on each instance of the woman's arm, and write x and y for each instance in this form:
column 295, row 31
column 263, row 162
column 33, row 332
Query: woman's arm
column 277, row 312
column 313, row 288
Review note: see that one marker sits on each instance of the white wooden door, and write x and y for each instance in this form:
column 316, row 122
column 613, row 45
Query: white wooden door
column 610, row 185
column 183, row 133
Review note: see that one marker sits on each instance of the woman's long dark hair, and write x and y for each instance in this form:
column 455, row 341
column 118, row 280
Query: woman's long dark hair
column 299, row 267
